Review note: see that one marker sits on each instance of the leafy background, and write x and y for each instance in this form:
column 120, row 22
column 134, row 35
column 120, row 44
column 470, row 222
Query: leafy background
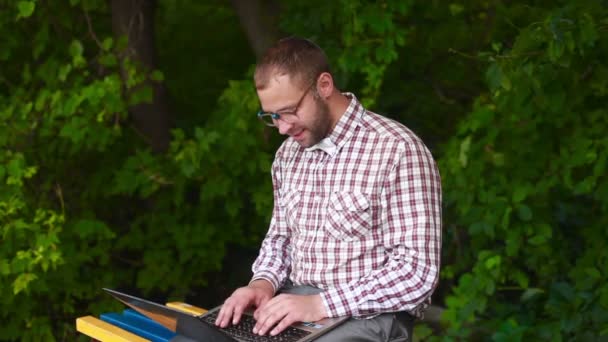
column 510, row 96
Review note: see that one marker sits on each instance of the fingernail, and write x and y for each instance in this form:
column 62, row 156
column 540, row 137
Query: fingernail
column 274, row 332
column 255, row 330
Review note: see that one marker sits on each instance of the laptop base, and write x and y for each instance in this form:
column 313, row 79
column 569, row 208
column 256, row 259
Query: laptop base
column 192, row 326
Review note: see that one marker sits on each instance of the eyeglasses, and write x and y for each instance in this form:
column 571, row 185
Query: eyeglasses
column 288, row 116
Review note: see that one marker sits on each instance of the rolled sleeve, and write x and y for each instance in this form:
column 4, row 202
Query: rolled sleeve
column 273, row 263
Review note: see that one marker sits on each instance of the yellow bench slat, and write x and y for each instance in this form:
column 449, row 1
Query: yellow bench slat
column 105, row 332
column 187, row 308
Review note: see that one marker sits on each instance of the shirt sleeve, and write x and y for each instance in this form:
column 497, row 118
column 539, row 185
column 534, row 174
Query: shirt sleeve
column 273, row 263
column 411, row 235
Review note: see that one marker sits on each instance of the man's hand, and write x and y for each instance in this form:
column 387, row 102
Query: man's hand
column 257, row 293
column 285, row 309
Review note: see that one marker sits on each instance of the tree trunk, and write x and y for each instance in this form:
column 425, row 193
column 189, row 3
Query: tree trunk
column 259, row 19
column 135, row 19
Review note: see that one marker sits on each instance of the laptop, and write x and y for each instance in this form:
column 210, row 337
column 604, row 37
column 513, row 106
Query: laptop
column 203, row 328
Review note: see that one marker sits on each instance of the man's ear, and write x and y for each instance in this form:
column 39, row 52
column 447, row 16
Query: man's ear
column 325, row 85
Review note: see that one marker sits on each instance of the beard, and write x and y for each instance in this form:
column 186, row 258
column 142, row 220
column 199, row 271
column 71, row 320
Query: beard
column 319, row 128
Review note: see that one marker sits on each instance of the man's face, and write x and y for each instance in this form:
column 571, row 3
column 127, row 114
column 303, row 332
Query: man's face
column 303, row 116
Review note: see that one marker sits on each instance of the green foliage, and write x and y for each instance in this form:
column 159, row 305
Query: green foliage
column 526, row 187
column 82, row 197
column 368, row 36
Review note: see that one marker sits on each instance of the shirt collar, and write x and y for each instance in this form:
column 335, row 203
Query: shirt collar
column 344, row 128
column 325, row 145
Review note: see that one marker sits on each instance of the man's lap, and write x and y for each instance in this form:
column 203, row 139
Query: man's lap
column 394, row 327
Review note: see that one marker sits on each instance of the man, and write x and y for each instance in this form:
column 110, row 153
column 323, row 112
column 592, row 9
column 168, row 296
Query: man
column 356, row 225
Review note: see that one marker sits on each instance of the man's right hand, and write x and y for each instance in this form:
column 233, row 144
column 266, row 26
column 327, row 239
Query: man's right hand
column 257, row 293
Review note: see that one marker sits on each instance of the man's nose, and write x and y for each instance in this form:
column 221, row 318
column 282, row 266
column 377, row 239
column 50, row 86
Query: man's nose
column 283, row 126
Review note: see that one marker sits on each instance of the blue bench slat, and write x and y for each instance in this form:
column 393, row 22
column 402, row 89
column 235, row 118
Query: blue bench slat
column 140, row 325
column 137, row 315
column 131, row 312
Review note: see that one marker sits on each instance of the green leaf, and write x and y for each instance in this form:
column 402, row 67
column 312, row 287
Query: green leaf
column 16, row 169
column 25, row 8
column 520, row 193
column 588, row 31
column 593, row 272
column 521, row 278
column 157, row 75
column 27, row 108
column 498, row 159
column 41, row 42
column 76, row 48
column 108, row 60
column 465, row 145
column 505, row 82
column 22, row 281
column 493, row 262
column 422, row 331
column 64, row 71
column 93, row 228
column 494, row 75
column 496, row 46
column 537, row 240
column 107, row 43
column 565, row 290
column 456, row 9
column 41, row 99
column 5, row 268
column 604, row 297
column 144, row 94
column 531, row 293
column 524, row 212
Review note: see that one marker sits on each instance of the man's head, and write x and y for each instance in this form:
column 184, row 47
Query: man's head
column 294, row 86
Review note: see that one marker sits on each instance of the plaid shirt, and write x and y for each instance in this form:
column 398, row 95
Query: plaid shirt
column 358, row 215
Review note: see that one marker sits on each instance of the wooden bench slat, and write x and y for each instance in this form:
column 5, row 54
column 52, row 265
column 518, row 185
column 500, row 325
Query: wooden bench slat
column 185, row 307
column 105, row 332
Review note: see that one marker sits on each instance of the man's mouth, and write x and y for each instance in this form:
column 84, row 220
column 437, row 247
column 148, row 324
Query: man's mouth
column 298, row 135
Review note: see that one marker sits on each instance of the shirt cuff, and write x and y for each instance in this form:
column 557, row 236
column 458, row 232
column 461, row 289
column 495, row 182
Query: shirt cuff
column 339, row 302
column 269, row 277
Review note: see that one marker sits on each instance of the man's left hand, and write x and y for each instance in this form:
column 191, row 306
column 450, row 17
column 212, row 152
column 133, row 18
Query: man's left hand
column 285, row 309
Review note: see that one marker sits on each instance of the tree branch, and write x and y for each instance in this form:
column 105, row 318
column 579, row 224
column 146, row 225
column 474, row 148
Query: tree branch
column 91, row 31
column 135, row 20
column 259, row 20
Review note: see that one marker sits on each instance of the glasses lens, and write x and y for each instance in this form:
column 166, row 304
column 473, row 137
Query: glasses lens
column 267, row 119
column 289, row 117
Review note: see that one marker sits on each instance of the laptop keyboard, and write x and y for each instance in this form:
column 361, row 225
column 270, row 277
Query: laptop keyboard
column 243, row 330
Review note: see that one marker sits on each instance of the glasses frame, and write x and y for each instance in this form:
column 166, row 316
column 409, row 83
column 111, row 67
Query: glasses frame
column 278, row 116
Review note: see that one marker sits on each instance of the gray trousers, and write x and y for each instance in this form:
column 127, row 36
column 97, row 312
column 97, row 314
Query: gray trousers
column 393, row 327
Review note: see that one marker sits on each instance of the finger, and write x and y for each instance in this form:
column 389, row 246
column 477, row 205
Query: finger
column 271, row 319
column 236, row 316
column 258, row 314
column 282, row 325
column 263, row 310
column 226, row 312
column 221, row 314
